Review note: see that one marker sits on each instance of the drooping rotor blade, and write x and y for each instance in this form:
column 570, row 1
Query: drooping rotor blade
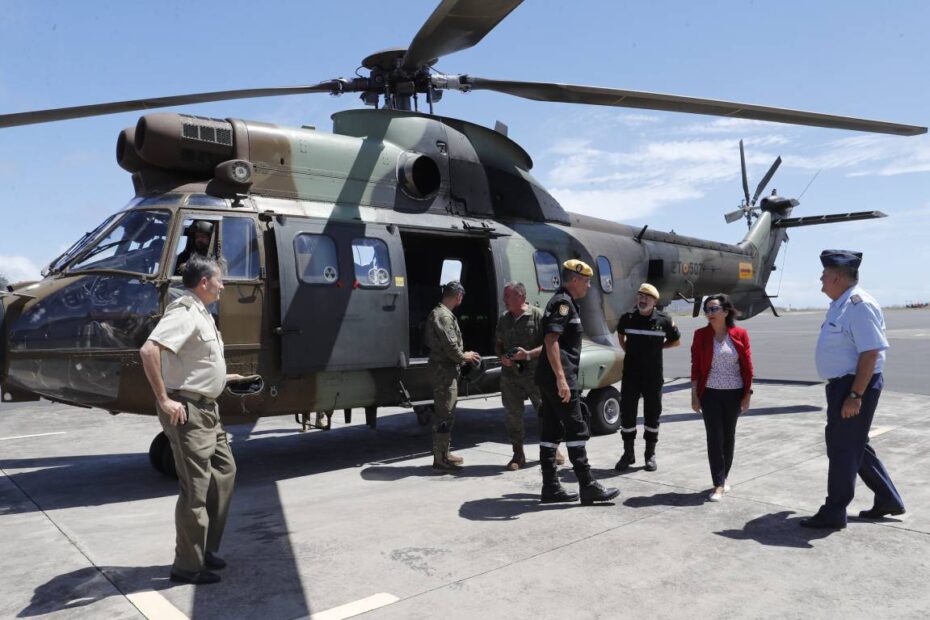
column 765, row 180
column 455, row 25
column 732, row 216
column 742, row 163
column 115, row 107
column 595, row 95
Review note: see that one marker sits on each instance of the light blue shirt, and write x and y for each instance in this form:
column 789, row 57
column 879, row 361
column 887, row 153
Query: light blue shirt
column 854, row 324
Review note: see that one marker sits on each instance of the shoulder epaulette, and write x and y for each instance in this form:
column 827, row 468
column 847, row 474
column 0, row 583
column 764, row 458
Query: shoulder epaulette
column 855, row 299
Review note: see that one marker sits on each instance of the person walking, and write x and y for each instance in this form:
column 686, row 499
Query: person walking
column 721, row 384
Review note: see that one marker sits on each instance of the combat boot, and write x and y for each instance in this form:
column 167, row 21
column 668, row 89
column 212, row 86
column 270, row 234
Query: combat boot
column 628, row 457
column 552, row 491
column 555, row 493
column 596, row 492
column 519, row 458
column 441, row 461
column 650, row 456
column 449, row 457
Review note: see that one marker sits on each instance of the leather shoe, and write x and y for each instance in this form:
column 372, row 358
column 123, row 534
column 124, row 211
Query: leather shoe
column 556, row 494
column 818, row 522
column 650, row 463
column 211, row 560
column 196, row 578
column 596, row 492
column 875, row 513
column 626, row 459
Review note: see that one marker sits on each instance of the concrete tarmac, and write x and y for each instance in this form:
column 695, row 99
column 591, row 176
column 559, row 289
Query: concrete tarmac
column 330, row 524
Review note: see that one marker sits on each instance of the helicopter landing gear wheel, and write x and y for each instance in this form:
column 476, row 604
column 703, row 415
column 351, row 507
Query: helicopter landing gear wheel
column 161, row 457
column 424, row 414
column 604, row 406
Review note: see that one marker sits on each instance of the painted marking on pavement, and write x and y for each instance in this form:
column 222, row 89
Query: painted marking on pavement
column 154, row 606
column 28, row 436
column 875, row 431
column 356, row 607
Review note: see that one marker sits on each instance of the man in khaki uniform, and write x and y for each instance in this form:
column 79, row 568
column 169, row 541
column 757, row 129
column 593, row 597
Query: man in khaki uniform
column 185, row 365
column 446, row 355
column 518, row 343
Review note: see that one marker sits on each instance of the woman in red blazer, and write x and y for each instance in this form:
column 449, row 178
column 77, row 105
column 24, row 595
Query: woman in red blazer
column 721, row 384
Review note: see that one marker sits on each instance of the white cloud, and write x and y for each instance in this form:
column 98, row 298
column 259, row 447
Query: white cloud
column 17, row 268
column 622, row 204
column 869, row 156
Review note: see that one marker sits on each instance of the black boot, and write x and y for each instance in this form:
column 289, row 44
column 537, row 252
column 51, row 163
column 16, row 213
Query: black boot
column 591, row 491
column 650, row 456
column 629, row 456
column 552, row 491
column 596, row 492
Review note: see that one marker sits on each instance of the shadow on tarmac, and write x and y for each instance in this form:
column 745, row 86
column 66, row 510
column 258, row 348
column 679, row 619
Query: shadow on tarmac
column 777, row 529
column 511, row 506
column 667, row 499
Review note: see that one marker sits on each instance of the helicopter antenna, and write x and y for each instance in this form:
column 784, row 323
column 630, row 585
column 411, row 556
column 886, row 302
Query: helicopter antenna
column 811, row 182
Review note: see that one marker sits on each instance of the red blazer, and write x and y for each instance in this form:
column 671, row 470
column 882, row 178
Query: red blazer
column 702, row 354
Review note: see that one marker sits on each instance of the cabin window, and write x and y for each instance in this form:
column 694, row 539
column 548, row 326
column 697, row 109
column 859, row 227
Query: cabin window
column 134, row 244
column 547, row 271
column 606, row 274
column 451, row 271
column 372, row 263
column 316, row 259
column 240, row 248
column 198, row 236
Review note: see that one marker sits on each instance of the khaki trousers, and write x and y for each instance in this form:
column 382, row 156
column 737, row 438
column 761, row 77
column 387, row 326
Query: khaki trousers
column 206, row 474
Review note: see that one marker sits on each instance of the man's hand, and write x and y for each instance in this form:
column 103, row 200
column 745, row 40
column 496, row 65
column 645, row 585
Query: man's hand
column 521, row 354
column 506, row 362
column 851, row 407
column 565, row 394
column 695, row 402
column 472, row 357
column 177, row 412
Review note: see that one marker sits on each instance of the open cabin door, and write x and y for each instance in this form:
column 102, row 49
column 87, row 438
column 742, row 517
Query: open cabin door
column 343, row 296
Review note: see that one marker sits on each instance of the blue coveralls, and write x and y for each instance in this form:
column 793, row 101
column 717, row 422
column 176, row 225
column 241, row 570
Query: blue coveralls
column 853, row 324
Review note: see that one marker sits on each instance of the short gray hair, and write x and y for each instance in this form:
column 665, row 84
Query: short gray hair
column 516, row 287
column 850, row 273
column 197, row 268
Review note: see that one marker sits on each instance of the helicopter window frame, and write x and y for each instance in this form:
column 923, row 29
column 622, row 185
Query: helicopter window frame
column 378, row 271
column 547, row 286
column 329, row 275
column 605, row 274
column 81, row 244
column 186, row 219
column 254, row 253
column 75, row 266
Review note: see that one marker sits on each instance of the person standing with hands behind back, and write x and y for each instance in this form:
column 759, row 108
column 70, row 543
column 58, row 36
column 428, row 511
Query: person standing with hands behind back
column 721, row 384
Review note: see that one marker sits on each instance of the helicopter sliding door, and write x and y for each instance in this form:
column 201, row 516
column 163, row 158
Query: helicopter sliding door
column 343, row 296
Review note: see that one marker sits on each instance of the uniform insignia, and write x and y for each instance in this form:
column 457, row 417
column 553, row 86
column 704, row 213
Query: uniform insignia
column 563, row 309
column 855, row 299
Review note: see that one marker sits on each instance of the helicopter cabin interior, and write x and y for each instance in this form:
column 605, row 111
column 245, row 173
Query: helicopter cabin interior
column 433, row 260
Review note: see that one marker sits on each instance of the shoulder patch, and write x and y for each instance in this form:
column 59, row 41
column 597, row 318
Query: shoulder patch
column 855, row 299
column 563, row 309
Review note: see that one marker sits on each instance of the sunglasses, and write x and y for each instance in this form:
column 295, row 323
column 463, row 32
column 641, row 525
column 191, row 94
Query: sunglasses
column 713, row 309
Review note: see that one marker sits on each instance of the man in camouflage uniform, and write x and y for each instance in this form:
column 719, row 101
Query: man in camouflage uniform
column 446, row 355
column 519, row 345
column 184, row 363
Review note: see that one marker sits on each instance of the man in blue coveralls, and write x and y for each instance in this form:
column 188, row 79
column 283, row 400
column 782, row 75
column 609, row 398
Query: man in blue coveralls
column 850, row 355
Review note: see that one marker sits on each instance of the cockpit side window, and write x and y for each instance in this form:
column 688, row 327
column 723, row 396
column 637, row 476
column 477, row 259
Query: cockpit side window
column 240, row 248
column 198, row 236
column 606, row 274
column 134, row 244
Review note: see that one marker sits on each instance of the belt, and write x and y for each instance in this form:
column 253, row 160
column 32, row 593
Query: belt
column 835, row 379
column 193, row 398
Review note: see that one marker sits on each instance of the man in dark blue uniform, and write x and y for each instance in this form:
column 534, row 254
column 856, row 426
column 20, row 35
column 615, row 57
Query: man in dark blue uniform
column 644, row 333
column 850, row 355
column 557, row 377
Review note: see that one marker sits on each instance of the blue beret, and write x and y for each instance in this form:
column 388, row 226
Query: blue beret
column 841, row 258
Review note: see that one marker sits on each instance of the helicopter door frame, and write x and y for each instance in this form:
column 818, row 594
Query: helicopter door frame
column 343, row 307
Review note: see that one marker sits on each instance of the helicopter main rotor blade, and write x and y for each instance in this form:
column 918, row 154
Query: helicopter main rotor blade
column 742, row 163
column 455, row 25
column 595, row 95
column 115, row 107
column 765, row 180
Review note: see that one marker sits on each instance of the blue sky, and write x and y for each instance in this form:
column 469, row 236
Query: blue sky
column 670, row 171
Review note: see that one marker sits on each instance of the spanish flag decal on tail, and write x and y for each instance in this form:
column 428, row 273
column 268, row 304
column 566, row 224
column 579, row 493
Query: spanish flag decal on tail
column 745, row 271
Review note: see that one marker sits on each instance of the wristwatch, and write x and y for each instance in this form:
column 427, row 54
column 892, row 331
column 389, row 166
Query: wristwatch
column 854, row 395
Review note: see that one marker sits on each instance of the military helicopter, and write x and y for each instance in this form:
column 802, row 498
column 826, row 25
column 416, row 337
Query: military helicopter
column 336, row 243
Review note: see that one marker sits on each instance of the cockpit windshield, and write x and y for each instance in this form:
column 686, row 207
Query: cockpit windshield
column 78, row 246
column 134, row 244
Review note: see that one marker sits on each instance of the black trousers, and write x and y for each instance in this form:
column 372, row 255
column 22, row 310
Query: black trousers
column 649, row 388
column 721, row 411
column 563, row 422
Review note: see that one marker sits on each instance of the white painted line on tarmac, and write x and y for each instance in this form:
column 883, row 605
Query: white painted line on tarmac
column 29, row 436
column 357, row 607
column 154, row 606
column 875, row 431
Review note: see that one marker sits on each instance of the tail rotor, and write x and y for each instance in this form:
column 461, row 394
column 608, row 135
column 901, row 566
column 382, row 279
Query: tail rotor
column 748, row 208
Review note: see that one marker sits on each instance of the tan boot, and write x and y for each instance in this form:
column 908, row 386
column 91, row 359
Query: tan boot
column 559, row 457
column 519, row 458
column 441, row 460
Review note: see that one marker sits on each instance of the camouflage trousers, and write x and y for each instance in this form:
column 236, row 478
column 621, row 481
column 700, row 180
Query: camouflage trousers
column 444, row 379
column 515, row 389
column 206, row 473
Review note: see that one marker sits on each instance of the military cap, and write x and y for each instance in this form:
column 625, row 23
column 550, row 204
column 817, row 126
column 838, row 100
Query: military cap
column 580, row 267
column 202, row 226
column 647, row 289
column 452, row 288
column 841, row 258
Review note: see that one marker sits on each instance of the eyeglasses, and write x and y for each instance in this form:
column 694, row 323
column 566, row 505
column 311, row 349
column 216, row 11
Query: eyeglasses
column 712, row 309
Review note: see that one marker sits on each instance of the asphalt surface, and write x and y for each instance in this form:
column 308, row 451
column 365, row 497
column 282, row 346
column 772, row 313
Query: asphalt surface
column 329, row 523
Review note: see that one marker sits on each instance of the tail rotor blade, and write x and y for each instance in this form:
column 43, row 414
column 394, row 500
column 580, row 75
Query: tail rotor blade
column 732, row 216
column 765, row 180
column 742, row 163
